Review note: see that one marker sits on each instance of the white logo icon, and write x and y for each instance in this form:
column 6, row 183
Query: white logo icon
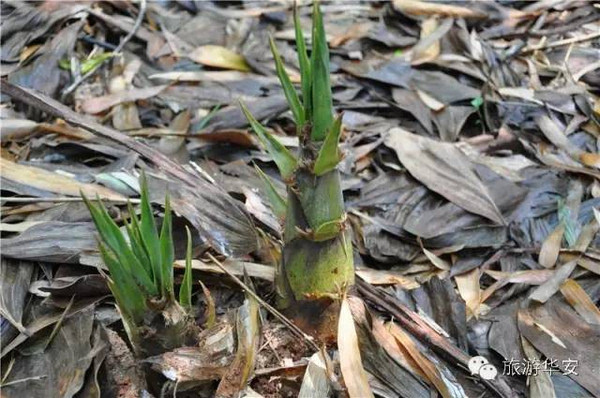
column 480, row 366
column 488, row 372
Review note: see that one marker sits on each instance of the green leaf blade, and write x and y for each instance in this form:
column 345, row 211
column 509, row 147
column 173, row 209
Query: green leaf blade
column 167, row 251
column 329, row 154
column 288, row 88
column 304, row 63
column 322, row 103
column 149, row 234
column 278, row 204
column 111, row 235
column 185, row 291
column 284, row 160
column 130, row 298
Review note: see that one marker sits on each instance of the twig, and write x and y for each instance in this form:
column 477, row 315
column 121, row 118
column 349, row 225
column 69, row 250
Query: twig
column 293, row 328
column 136, row 26
column 62, row 199
column 563, row 42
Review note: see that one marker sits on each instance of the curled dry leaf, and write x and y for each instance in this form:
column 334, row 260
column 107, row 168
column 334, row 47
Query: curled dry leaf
column 248, row 335
column 355, row 377
column 210, row 360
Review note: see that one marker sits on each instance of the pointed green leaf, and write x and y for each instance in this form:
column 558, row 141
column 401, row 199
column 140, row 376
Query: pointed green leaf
column 139, row 251
column 114, row 239
column 329, row 154
column 128, row 295
column 167, row 252
column 288, row 87
column 149, row 234
column 135, row 239
column 185, row 291
column 285, row 161
column 277, row 202
column 304, row 63
column 322, row 105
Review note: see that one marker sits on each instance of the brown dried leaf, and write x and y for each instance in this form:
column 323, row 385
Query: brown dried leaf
column 560, row 333
column 443, row 168
column 248, row 336
column 100, row 104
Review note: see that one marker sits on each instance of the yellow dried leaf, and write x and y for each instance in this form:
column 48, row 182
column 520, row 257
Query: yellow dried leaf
column 416, row 7
column 432, row 372
column 353, row 372
column 219, row 57
column 590, row 159
column 581, row 302
column 45, row 180
column 431, row 102
column 551, row 247
column 28, row 52
column 432, row 51
column 437, row 261
column 468, row 288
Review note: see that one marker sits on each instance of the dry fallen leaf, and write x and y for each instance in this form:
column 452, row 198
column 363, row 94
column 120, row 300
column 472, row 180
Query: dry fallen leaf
column 581, row 302
column 315, row 382
column 428, row 368
column 417, row 7
column 540, row 383
column 100, row 104
column 551, row 247
column 443, row 168
column 353, row 372
column 219, row 57
column 468, row 288
column 431, row 51
column 45, row 180
column 543, row 292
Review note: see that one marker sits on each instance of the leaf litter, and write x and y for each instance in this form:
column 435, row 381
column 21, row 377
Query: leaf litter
column 470, row 174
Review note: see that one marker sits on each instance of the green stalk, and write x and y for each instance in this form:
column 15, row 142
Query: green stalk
column 317, row 252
